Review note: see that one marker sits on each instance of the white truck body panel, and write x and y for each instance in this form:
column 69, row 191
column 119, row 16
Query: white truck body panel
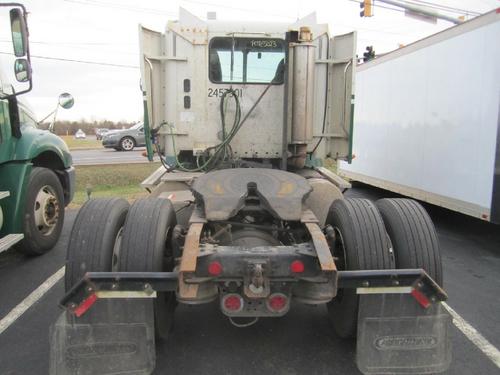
column 427, row 118
column 175, row 68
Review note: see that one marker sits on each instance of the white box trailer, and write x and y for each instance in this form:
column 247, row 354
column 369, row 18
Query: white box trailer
column 426, row 121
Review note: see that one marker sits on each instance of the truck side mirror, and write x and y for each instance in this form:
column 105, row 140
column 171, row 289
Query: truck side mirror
column 22, row 69
column 66, row 100
column 19, row 32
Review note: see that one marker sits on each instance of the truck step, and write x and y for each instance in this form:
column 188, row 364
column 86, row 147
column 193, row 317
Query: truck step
column 180, row 176
column 4, row 194
column 10, row 240
column 334, row 178
column 154, row 179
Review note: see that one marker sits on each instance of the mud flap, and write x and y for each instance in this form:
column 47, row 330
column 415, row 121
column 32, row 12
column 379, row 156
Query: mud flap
column 116, row 336
column 398, row 336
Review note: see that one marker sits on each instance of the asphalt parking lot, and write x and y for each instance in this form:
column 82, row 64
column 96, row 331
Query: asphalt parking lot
column 204, row 342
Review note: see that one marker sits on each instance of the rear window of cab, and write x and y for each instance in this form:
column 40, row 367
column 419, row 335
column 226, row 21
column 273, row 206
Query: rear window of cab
column 246, row 60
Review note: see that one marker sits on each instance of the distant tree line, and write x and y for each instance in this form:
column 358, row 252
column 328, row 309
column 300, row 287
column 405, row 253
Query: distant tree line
column 89, row 127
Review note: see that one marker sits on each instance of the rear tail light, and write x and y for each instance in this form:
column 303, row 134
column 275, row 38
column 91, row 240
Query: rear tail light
column 421, row 298
column 232, row 302
column 85, row 305
column 297, row 266
column 277, row 302
column 214, row 268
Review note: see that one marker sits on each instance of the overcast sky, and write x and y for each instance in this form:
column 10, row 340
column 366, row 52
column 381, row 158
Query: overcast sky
column 105, row 31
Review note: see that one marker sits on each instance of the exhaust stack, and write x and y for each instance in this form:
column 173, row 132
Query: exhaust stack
column 301, row 80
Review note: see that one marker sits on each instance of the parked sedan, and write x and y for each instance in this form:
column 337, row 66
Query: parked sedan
column 125, row 139
column 80, row 134
column 99, row 133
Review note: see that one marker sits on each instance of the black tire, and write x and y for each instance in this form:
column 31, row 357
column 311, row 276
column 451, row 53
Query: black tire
column 127, row 144
column 40, row 238
column 361, row 244
column 146, row 247
column 413, row 236
column 92, row 239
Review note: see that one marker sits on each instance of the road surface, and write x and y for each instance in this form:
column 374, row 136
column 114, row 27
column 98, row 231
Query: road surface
column 108, row 156
column 204, row 342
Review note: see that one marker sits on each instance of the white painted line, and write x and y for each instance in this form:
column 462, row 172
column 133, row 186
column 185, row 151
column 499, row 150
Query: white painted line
column 469, row 331
column 29, row 301
column 474, row 336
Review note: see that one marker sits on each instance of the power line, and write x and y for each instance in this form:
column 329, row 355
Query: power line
column 80, row 48
column 238, row 8
column 121, row 7
column 78, row 61
column 76, row 43
column 283, row 16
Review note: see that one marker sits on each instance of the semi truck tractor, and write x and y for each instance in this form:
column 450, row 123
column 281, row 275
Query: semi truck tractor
column 427, row 120
column 242, row 212
column 36, row 172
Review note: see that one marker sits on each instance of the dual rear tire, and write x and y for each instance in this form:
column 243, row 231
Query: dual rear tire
column 146, row 247
column 110, row 235
column 361, row 243
column 394, row 233
column 413, row 236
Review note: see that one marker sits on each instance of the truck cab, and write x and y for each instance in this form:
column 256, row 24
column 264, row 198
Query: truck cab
column 188, row 70
column 36, row 172
column 241, row 115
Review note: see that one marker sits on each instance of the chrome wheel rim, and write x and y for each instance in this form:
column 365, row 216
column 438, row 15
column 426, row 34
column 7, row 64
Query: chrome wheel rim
column 127, row 144
column 46, row 210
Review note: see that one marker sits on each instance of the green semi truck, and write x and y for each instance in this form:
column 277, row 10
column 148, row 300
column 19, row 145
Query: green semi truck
column 36, row 172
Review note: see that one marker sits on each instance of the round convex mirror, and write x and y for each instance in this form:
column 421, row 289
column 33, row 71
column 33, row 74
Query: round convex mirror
column 66, row 100
column 22, row 70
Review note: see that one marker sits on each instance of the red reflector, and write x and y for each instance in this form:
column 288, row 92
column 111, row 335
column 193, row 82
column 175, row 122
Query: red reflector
column 215, row 268
column 421, row 298
column 297, row 266
column 232, row 302
column 277, row 302
column 85, row 305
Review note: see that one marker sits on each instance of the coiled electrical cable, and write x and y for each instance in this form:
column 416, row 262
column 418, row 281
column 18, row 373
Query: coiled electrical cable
column 220, row 152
